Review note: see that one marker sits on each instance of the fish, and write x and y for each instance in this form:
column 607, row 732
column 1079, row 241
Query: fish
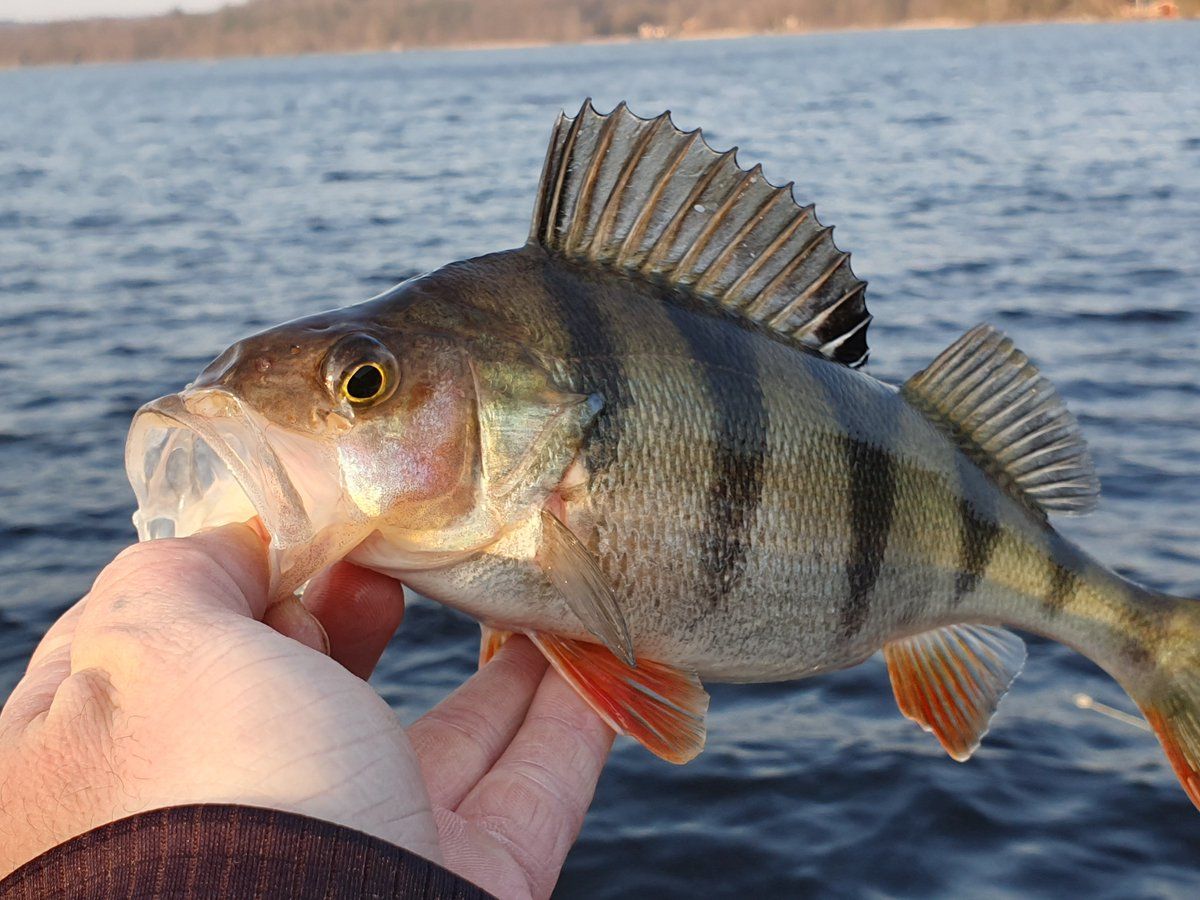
column 646, row 440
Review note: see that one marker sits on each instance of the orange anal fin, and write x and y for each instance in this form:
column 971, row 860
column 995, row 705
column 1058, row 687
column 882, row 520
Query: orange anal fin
column 949, row 681
column 659, row 706
column 490, row 643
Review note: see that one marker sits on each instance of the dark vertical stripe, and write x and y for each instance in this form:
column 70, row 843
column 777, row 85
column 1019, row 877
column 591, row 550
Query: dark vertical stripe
column 593, row 355
column 1063, row 586
column 978, row 531
column 1145, row 630
column 740, row 422
column 872, row 507
column 871, row 473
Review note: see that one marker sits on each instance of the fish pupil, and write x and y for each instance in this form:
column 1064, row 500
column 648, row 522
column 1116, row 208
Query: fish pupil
column 365, row 383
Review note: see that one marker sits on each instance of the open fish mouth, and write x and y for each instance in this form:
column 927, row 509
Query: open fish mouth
column 201, row 458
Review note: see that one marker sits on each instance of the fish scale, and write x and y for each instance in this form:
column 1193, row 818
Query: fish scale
column 670, row 427
column 644, row 441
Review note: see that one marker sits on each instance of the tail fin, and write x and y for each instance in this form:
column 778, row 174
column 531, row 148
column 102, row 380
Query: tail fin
column 1169, row 693
column 1174, row 720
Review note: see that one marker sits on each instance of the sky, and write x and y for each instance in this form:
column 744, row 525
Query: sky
column 44, row 10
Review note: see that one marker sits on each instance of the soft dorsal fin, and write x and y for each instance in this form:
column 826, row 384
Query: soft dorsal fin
column 988, row 396
column 644, row 197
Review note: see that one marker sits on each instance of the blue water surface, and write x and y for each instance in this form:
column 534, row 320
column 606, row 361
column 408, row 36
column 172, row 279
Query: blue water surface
column 1045, row 179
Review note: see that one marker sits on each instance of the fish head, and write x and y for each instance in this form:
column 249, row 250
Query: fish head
column 359, row 426
column 327, row 429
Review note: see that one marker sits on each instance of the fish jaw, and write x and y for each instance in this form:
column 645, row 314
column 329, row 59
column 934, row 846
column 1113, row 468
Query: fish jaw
column 201, row 458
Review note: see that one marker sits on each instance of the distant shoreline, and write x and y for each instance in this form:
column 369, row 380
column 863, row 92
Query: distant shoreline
column 737, row 34
column 719, row 34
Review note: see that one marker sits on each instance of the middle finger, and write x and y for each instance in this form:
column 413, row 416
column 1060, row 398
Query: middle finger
column 460, row 739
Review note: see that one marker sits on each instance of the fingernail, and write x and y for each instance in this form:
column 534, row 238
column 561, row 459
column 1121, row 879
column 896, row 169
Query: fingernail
column 289, row 617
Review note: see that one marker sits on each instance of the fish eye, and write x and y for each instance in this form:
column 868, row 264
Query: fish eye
column 360, row 371
column 364, row 383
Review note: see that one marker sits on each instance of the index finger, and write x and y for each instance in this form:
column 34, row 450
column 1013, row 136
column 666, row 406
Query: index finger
column 535, row 797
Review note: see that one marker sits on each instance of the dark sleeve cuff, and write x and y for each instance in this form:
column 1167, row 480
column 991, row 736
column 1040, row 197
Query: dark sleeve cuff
column 214, row 850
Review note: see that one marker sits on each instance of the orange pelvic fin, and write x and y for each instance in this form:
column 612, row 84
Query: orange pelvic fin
column 490, row 642
column 949, row 681
column 659, row 706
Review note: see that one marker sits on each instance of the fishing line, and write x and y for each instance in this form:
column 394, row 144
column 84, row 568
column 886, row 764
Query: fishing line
column 1083, row 701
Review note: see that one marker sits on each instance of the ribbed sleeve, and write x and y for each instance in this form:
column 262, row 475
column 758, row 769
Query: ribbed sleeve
column 219, row 851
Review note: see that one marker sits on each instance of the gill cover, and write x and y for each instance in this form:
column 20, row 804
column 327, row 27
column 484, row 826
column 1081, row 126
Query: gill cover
column 529, row 430
column 530, row 434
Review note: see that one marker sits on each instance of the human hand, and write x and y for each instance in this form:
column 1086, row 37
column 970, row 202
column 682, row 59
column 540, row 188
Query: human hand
column 172, row 683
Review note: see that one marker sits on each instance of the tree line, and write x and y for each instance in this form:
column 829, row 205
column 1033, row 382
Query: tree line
column 284, row 27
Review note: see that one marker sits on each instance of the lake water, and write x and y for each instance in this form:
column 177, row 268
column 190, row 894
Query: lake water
column 1046, row 179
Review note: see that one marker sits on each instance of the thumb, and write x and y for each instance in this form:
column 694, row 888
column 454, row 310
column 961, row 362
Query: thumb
column 360, row 611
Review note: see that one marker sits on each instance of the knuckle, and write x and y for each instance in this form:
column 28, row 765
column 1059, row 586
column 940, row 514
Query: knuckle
column 473, row 724
column 158, row 559
column 77, row 756
column 548, row 791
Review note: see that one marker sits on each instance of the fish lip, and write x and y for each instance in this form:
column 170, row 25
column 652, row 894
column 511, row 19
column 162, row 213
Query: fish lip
column 228, row 431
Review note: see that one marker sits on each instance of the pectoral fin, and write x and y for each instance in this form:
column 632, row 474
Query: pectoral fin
column 949, row 681
column 490, row 643
column 573, row 569
column 657, row 705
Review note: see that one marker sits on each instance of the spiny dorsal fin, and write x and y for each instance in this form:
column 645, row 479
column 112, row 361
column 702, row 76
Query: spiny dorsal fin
column 644, row 197
column 988, row 396
column 949, row 681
